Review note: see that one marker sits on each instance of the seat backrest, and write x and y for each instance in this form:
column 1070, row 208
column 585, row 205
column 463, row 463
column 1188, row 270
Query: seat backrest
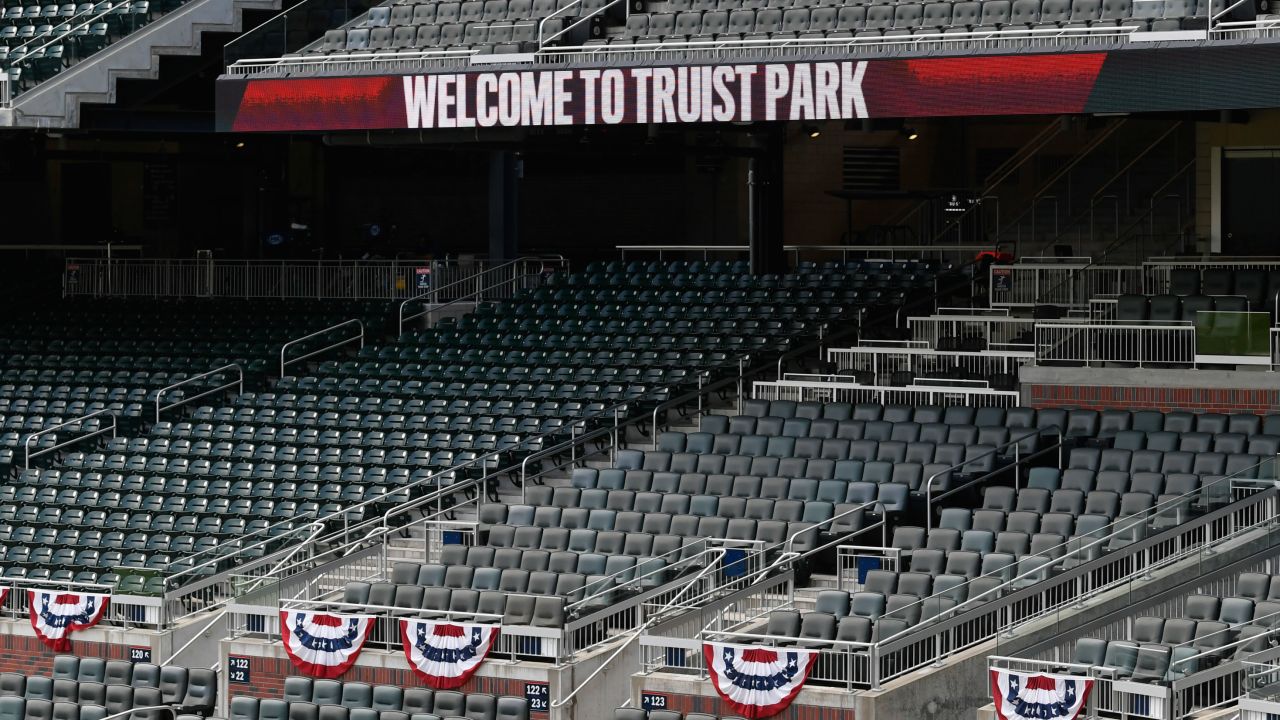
column 202, row 690
column 1122, row 656
column 65, row 667
column 512, row 708
column 1090, row 651
column 242, row 708
column 173, row 683
column 15, row 684
column 146, row 675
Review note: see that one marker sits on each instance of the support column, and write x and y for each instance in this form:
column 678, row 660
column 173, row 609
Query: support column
column 764, row 202
column 504, row 204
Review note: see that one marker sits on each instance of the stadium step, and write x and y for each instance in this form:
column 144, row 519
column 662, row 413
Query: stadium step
column 55, row 103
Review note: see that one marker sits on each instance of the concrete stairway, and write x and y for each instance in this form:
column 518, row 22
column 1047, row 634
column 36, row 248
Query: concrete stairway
column 55, row 103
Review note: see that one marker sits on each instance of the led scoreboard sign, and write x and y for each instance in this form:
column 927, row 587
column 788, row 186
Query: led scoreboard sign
column 1129, row 80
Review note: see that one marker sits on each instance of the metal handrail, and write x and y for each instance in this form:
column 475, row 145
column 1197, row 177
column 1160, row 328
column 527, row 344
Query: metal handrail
column 26, row 442
column 480, row 485
column 316, row 528
column 992, row 181
column 1098, row 195
column 216, row 617
column 639, row 630
column 435, row 292
column 1043, row 189
column 1123, row 524
column 1121, row 235
column 1213, row 19
column 789, row 556
column 7, row 100
column 1017, row 460
column 611, row 587
column 1226, row 631
column 542, row 24
column 318, row 333
column 1118, row 527
column 238, row 383
column 468, row 299
column 173, row 711
column 390, row 610
column 439, row 494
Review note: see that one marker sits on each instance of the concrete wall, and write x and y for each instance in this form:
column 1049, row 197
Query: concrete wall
column 1151, row 389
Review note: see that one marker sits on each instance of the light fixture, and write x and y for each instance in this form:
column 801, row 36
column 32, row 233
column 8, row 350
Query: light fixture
column 812, row 131
column 910, row 133
column 240, row 145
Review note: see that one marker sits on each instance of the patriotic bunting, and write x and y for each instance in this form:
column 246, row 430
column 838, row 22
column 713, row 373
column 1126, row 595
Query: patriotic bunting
column 323, row 645
column 55, row 615
column 757, row 682
column 1020, row 696
column 444, row 654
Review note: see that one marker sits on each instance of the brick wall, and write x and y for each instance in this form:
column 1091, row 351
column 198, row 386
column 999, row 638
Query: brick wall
column 686, row 704
column 27, row 655
column 266, row 679
column 1165, row 399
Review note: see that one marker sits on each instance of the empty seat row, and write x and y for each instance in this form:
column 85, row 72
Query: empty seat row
column 480, row 567
column 1204, row 463
column 1117, row 481
column 1184, row 647
column 17, row 708
column 992, row 523
column 800, row 432
column 794, row 457
column 642, row 485
column 901, row 20
column 572, row 587
column 415, row 702
column 116, row 685
column 1257, row 286
column 1018, row 417
column 370, row 429
column 634, row 540
column 514, row 607
column 1208, row 629
column 636, row 543
column 527, row 521
column 1171, row 308
column 69, row 487
column 196, row 456
column 770, row 425
column 1195, row 441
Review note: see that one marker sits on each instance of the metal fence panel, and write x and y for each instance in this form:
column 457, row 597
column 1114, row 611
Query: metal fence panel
column 1068, row 284
column 285, row 279
column 793, row 387
column 1127, row 342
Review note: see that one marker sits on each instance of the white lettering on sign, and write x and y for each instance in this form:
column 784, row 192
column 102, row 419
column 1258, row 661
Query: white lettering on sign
column 689, row 94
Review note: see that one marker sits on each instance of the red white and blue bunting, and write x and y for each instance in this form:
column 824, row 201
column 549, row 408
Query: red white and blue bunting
column 444, row 654
column 1022, row 696
column 757, row 682
column 55, row 615
column 323, row 645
